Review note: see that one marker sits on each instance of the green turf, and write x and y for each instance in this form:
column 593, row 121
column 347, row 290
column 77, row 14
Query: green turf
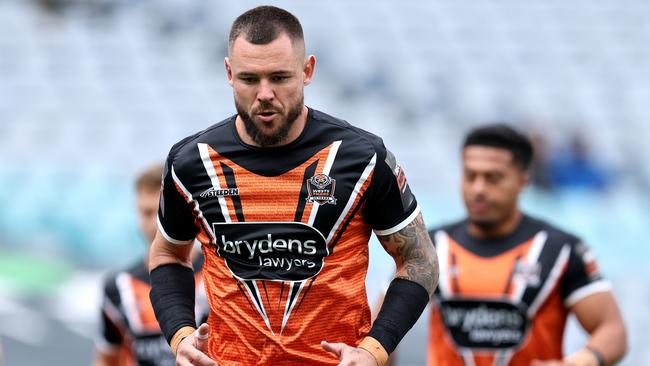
column 30, row 273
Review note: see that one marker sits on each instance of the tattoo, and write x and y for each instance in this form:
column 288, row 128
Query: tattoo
column 414, row 254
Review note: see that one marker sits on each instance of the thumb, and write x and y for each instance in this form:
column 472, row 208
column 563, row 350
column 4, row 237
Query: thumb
column 201, row 337
column 335, row 348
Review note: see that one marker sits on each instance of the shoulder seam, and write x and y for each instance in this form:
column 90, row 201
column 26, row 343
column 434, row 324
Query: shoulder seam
column 356, row 130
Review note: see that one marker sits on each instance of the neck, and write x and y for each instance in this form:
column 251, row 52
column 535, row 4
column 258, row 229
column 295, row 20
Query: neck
column 294, row 132
column 501, row 229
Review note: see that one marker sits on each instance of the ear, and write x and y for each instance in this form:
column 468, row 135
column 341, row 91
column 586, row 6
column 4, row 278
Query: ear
column 226, row 63
column 308, row 69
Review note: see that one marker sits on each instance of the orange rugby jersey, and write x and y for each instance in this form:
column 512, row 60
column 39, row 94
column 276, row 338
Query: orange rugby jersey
column 128, row 325
column 505, row 301
column 285, row 234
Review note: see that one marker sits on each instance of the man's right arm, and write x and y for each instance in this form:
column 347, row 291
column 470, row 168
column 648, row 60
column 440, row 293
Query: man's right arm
column 106, row 359
column 172, row 296
column 164, row 252
column 172, row 276
column 111, row 323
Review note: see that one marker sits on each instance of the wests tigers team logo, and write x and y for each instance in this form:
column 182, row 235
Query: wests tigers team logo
column 320, row 189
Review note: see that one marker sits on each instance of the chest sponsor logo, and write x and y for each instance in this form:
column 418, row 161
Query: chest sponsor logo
column 484, row 324
column 215, row 193
column 320, row 189
column 285, row 251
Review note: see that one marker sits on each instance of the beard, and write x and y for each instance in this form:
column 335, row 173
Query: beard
column 281, row 132
column 484, row 224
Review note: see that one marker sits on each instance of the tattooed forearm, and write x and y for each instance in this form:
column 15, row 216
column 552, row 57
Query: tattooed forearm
column 414, row 254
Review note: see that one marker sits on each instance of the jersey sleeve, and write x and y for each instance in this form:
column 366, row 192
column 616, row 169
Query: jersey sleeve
column 582, row 277
column 175, row 218
column 390, row 204
column 111, row 322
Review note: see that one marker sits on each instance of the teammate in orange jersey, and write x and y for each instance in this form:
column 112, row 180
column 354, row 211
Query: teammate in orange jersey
column 284, row 199
column 508, row 280
column 130, row 334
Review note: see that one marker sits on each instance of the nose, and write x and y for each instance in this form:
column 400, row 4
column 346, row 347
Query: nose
column 478, row 185
column 265, row 92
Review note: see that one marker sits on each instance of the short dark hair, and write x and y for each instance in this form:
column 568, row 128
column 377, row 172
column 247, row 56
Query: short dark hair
column 150, row 179
column 503, row 136
column 263, row 24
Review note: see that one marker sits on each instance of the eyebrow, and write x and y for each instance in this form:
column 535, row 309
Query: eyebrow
column 274, row 73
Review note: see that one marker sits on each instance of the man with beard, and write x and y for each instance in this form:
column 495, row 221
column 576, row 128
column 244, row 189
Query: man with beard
column 129, row 333
column 284, row 199
column 509, row 280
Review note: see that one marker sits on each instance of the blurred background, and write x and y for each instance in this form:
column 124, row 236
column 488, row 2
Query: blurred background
column 92, row 91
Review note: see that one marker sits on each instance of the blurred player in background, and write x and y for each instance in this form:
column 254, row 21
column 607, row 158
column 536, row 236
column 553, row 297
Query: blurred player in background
column 130, row 334
column 284, row 199
column 508, row 280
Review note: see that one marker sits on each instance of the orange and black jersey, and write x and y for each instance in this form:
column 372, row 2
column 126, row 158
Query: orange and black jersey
column 505, row 301
column 285, row 234
column 128, row 325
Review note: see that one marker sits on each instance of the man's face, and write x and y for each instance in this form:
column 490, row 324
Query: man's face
column 268, row 84
column 491, row 185
column 147, row 202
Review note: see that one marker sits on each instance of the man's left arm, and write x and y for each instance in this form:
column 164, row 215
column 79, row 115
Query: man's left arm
column 590, row 298
column 600, row 316
column 414, row 254
column 406, row 298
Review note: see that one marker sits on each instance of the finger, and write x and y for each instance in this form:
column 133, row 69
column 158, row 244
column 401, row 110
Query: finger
column 545, row 363
column 335, row 348
column 204, row 360
column 201, row 336
column 196, row 357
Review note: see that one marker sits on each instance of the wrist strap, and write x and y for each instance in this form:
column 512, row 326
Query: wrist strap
column 179, row 336
column 375, row 349
column 597, row 354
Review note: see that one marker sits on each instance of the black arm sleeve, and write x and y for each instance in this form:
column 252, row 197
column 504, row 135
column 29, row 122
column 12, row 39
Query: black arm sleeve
column 403, row 304
column 172, row 297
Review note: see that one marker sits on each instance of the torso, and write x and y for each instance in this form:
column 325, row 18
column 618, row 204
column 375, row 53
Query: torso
column 285, row 239
column 504, row 301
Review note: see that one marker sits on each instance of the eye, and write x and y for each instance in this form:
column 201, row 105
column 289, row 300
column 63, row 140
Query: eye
column 248, row 79
column 493, row 177
column 469, row 176
column 279, row 78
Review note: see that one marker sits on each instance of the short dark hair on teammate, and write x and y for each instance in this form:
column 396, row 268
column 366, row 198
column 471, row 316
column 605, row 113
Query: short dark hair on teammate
column 263, row 24
column 505, row 137
column 150, row 179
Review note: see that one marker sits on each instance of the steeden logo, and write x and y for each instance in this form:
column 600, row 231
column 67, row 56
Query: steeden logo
column 214, row 193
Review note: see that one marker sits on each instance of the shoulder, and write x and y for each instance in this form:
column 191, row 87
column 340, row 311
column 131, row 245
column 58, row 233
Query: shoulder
column 110, row 287
column 555, row 235
column 355, row 136
column 449, row 229
column 180, row 150
column 112, row 280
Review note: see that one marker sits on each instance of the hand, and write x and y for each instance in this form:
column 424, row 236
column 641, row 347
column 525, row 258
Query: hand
column 549, row 363
column 349, row 356
column 191, row 350
column 583, row 357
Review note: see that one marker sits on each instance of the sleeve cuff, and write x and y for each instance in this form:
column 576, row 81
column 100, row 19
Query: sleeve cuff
column 587, row 290
column 401, row 225
column 169, row 238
